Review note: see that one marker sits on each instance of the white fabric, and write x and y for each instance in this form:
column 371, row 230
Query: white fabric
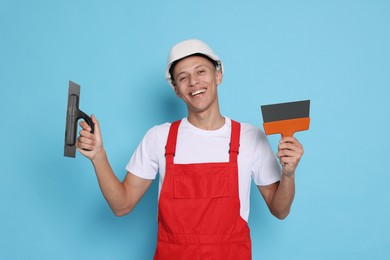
column 255, row 160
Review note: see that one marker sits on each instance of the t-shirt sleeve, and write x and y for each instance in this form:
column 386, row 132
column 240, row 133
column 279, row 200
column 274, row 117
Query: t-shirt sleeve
column 266, row 169
column 144, row 161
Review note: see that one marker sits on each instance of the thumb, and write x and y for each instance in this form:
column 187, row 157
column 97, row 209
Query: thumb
column 97, row 132
column 96, row 124
column 94, row 119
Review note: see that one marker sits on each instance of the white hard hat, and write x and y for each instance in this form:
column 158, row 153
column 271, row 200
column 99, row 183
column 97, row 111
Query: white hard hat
column 187, row 48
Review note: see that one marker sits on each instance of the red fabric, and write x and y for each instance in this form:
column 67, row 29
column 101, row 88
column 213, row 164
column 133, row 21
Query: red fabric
column 199, row 208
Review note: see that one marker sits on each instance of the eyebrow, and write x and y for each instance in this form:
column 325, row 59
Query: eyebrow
column 197, row 67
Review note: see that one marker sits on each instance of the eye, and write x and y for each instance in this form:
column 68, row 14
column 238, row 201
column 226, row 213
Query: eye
column 200, row 72
column 182, row 78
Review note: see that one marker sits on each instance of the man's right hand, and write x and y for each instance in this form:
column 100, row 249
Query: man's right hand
column 122, row 197
column 90, row 145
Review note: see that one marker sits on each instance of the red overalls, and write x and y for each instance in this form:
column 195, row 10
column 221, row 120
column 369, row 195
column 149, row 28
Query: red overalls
column 199, row 208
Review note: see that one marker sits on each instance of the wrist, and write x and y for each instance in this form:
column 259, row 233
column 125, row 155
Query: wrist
column 288, row 174
column 99, row 156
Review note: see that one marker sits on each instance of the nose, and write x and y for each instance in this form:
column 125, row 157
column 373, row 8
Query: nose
column 193, row 80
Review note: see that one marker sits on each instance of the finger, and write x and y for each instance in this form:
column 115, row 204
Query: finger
column 85, row 126
column 85, row 144
column 85, row 152
column 290, row 139
column 86, row 133
column 291, row 147
column 289, row 153
column 290, row 161
column 287, row 139
column 286, row 146
column 86, row 140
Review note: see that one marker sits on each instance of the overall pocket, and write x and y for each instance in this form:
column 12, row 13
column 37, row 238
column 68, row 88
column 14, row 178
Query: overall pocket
column 200, row 186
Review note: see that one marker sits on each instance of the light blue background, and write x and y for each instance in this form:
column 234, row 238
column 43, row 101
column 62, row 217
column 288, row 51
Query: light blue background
column 335, row 53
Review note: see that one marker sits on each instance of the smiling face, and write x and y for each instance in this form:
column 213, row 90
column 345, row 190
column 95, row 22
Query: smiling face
column 195, row 81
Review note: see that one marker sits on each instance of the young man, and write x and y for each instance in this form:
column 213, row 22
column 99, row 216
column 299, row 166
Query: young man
column 205, row 163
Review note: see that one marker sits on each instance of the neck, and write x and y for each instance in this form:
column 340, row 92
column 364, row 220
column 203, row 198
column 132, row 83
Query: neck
column 207, row 121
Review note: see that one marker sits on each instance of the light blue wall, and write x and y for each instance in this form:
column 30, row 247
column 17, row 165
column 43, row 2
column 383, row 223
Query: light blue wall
column 335, row 53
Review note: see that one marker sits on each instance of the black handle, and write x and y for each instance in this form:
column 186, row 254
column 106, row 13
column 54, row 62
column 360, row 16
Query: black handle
column 74, row 114
column 88, row 120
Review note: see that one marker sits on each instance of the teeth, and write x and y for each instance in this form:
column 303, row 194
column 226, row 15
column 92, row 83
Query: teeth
column 198, row 92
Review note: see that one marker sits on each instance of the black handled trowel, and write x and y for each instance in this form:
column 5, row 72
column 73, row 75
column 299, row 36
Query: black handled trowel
column 73, row 114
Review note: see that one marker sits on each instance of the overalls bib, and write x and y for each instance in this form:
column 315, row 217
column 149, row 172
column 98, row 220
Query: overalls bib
column 199, row 208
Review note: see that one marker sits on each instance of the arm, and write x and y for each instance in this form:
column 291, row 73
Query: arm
column 280, row 195
column 121, row 196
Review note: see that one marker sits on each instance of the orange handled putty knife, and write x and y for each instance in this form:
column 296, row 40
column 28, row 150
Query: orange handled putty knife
column 286, row 118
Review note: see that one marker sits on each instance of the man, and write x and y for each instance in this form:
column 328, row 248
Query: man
column 205, row 162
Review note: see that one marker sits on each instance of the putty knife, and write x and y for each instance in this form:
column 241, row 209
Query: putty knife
column 286, row 118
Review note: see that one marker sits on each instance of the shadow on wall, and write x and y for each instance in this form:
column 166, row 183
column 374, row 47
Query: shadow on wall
column 159, row 103
column 167, row 105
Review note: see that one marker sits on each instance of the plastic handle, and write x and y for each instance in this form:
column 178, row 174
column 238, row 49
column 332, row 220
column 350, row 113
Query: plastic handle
column 287, row 127
column 74, row 114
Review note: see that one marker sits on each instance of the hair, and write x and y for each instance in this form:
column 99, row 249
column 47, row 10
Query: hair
column 215, row 63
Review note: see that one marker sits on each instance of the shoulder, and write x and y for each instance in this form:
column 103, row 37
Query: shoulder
column 160, row 131
column 156, row 133
column 154, row 141
column 250, row 131
column 159, row 128
column 252, row 137
column 249, row 128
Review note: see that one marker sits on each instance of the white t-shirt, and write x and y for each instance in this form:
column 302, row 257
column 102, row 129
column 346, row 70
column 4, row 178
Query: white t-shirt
column 255, row 160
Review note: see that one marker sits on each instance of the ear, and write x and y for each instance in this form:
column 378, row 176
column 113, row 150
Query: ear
column 218, row 76
column 175, row 88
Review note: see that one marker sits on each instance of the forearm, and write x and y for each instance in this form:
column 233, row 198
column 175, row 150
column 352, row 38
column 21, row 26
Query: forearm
column 113, row 190
column 289, row 153
column 283, row 197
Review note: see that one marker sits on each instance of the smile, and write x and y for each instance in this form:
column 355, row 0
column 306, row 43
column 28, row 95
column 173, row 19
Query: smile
column 200, row 91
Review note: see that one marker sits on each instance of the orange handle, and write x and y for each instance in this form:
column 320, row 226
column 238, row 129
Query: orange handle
column 287, row 127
